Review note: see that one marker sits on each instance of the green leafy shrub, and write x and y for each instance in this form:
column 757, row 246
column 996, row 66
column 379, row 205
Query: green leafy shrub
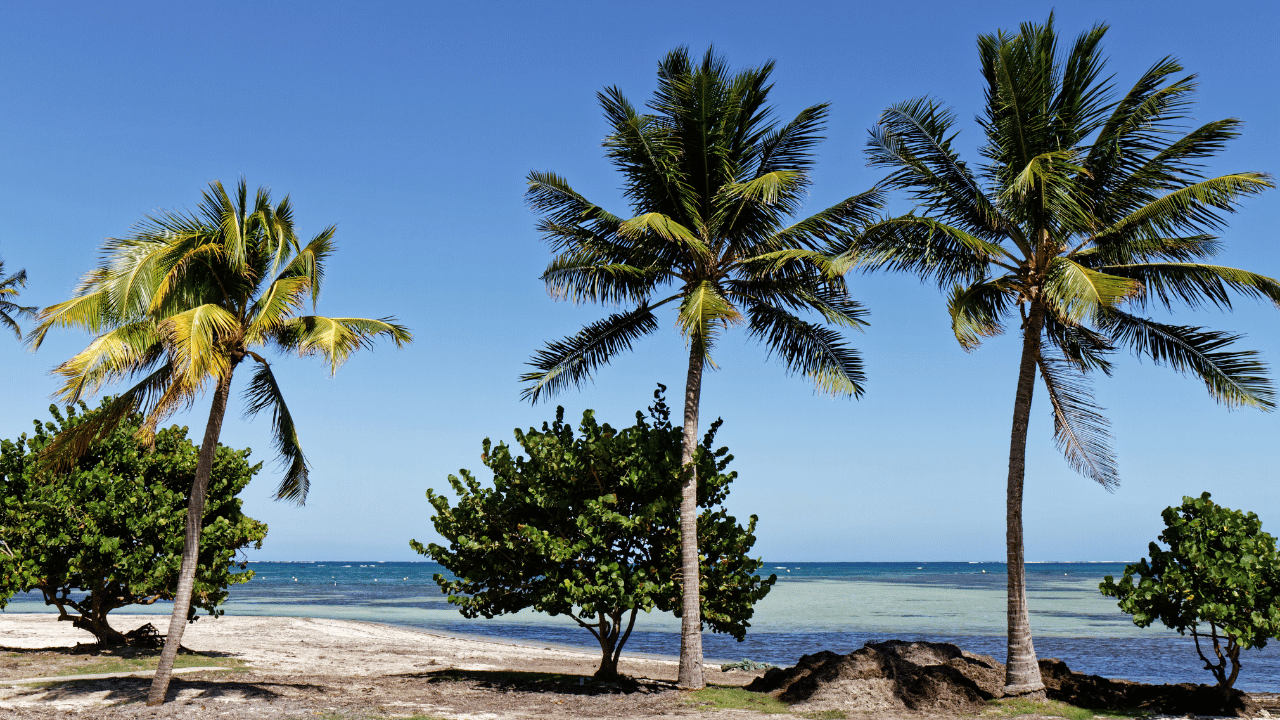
column 589, row 527
column 113, row 525
column 1219, row 579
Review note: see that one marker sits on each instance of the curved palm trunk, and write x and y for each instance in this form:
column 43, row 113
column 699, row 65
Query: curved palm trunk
column 1022, row 671
column 191, row 547
column 691, row 610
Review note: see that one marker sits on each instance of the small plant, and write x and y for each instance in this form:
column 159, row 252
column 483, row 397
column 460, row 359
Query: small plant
column 736, row 698
column 1219, row 580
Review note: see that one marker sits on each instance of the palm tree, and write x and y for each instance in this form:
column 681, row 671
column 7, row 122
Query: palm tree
column 183, row 301
column 8, row 293
column 1088, row 211
column 711, row 181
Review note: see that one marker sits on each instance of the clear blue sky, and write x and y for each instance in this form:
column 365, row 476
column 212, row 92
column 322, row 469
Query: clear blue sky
column 412, row 126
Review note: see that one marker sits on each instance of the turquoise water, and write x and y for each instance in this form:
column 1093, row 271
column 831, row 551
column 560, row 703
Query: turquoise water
column 814, row 606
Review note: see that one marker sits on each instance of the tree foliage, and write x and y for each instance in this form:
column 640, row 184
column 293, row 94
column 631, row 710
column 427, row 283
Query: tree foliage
column 589, row 527
column 108, row 532
column 1219, row 579
column 9, row 289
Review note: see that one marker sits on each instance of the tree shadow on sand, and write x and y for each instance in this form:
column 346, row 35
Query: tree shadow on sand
column 120, row 691
column 540, row 682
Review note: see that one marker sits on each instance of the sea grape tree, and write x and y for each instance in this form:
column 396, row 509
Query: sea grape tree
column 108, row 532
column 1219, row 581
column 589, row 527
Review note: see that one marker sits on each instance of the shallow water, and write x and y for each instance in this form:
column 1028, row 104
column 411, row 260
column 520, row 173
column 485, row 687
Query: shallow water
column 814, row 606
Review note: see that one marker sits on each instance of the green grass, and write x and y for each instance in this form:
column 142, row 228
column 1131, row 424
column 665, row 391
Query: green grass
column 135, row 664
column 736, row 698
column 825, row 715
column 1011, row 707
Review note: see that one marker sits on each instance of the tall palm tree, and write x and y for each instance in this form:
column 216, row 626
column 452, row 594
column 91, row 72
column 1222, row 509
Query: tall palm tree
column 711, row 181
column 8, row 293
column 1089, row 210
column 181, row 303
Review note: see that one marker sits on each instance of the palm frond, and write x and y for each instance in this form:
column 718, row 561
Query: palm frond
column 704, row 310
column 926, row 247
column 335, row 339
column 587, row 276
column 309, row 262
column 569, row 362
column 914, row 139
column 1233, row 377
column 1075, row 292
column 196, row 341
column 1189, row 209
column 1196, row 284
column 976, row 311
column 263, row 393
column 118, row 353
column 1080, row 430
column 827, row 228
column 813, row 351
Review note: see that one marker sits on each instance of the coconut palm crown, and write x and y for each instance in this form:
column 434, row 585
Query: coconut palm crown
column 712, row 182
column 1088, row 211
column 179, row 304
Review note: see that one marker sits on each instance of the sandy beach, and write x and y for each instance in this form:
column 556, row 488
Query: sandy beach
column 301, row 667
column 281, row 668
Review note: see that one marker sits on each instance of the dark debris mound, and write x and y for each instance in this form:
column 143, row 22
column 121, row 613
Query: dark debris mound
column 1092, row 691
column 897, row 675
column 888, row 675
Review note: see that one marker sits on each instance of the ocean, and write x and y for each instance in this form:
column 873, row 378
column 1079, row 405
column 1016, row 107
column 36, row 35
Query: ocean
column 814, row 606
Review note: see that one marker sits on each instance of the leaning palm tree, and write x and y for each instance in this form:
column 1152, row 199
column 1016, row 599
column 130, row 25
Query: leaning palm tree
column 181, row 303
column 711, row 182
column 9, row 287
column 1088, row 211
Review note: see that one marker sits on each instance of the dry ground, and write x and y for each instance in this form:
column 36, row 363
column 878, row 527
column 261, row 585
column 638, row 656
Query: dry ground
column 284, row 668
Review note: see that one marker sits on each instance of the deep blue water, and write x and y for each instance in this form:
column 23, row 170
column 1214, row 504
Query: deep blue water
column 814, row 606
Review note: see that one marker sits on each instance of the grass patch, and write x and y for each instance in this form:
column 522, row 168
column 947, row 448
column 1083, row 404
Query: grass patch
column 735, row 698
column 135, row 664
column 825, row 715
column 1010, row 707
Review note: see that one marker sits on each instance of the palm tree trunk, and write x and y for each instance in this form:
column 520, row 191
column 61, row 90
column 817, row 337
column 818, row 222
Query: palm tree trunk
column 690, row 677
column 1022, row 671
column 191, row 547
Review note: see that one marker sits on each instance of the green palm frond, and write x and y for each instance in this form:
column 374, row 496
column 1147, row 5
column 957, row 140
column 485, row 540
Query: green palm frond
column 1147, row 249
column 914, row 139
column 309, row 262
column 194, row 337
column 142, row 398
column 976, row 311
column 923, row 246
column 119, row 353
column 1188, row 209
column 1196, row 284
column 9, row 287
column 1080, row 430
column 1075, row 292
column 807, row 349
column 263, row 393
column 1233, row 377
column 1086, row 348
column 704, row 310
column 335, row 339
column 587, row 276
column 827, row 228
column 570, row 362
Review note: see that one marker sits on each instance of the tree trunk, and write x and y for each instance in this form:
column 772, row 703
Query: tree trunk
column 1022, row 671
column 690, row 677
column 107, row 636
column 608, row 637
column 191, row 546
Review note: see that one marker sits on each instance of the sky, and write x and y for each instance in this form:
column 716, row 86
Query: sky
column 412, row 127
